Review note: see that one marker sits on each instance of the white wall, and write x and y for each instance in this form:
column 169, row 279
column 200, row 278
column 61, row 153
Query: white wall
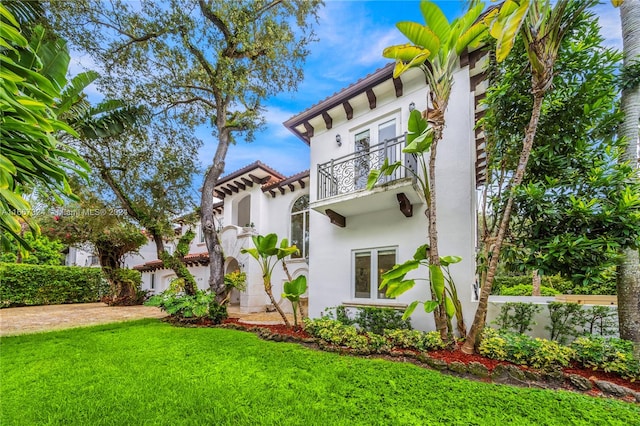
column 331, row 246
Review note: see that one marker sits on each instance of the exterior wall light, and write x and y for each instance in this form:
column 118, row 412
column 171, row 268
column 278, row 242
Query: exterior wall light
column 412, row 106
column 339, row 140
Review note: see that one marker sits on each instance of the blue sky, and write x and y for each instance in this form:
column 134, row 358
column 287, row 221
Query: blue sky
column 352, row 35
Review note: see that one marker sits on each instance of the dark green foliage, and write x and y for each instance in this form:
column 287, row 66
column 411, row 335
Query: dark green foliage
column 526, row 290
column 517, row 316
column 43, row 284
column 190, row 307
column 370, row 318
column 578, row 204
column 206, row 376
column 555, row 282
column 44, row 251
column 608, row 354
column 599, row 320
column 336, row 333
column 522, row 349
column 565, row 319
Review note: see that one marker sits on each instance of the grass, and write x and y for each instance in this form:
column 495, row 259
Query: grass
column 150, row 373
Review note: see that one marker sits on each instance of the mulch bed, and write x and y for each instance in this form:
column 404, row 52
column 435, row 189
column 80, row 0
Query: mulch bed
column 455, row 356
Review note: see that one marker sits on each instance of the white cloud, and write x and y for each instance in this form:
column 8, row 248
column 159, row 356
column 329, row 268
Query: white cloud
column 609, row 18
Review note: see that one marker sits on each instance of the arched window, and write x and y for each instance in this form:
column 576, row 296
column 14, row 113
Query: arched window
column 300, row 226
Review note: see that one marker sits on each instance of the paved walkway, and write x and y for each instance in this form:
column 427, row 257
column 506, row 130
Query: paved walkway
column 34, row 319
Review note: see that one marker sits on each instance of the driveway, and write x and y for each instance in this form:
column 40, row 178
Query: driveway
column 33, row 319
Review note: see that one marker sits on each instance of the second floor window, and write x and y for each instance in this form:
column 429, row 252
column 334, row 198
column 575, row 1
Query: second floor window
column 300, row 226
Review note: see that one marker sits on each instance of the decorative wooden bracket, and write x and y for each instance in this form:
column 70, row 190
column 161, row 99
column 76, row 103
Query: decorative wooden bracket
column 405, row 205
column 336, row 219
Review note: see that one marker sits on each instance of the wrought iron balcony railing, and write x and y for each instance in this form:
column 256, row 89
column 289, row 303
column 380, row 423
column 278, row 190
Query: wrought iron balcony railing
column 349, row 173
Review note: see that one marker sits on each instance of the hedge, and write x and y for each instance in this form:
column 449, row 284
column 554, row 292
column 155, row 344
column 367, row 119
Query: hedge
column 559, row 284
column 24, row 285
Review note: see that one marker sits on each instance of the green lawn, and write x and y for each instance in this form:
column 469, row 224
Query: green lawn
column 150, row 373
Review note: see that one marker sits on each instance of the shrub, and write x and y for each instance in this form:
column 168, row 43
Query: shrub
column 526, row 290
column 520, row 320
column 370, row 318
column 599, row 319
column 554, row 282
column 22, row 284
column 609, row 354
column 190, row 307
column 415, row 339
column 522, row 349
column 565, row 319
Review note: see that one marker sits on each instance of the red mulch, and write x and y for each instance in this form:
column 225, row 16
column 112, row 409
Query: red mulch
column 457, row 355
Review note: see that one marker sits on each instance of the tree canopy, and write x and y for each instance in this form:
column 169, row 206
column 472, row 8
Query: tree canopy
column 578, row 205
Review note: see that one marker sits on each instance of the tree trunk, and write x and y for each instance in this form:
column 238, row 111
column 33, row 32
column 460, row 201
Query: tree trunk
column 267, row 288
column 628, row 276
column 440, row 314
column 485, row 291
column 175, row 262
column 535, row 281
column 211, row 237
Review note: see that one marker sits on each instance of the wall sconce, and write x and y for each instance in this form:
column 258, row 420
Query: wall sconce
column 412, row 106
column 339, row 140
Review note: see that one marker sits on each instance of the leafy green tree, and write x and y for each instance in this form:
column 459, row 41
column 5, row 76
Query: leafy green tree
column 542, row 28
column 44, row 251
column 577, row 205
column 33, row 75
column 199, row 63
column 435, row 49
column 91, row 220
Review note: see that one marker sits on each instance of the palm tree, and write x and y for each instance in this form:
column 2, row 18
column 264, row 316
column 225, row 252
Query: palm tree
column 542, row 27
column 435, row 48
column 628, row 276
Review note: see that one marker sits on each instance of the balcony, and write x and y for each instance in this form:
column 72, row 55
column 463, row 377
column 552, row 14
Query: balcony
column 342, row 182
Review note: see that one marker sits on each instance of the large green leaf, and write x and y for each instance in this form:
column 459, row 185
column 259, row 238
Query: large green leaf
column 415, row 126
column 412, row 307
column 294, row 289
column 374, row 175
column 421, row 36
column 420, row 144
column 430, row 306
column 397, row 288
column 399, row 271
column 507, row 24
column 436, row 20
column 437, row 281
column 449, row 307
column 449, row 260
column 251, row 251
column 422, row 252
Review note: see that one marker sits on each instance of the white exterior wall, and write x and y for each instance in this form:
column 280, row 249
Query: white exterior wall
column 331, row 247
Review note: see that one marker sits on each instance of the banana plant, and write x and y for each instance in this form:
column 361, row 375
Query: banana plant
column 443, row 287
column 434, row 48
column 268, row 254
column 292, row 291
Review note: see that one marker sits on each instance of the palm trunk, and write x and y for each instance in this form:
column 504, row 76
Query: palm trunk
column 628, row 273
column 440, row 314
column 267, row 288
column 535, row 281
column 527, row 145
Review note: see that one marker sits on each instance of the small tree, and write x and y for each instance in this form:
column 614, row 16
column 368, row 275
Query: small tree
column 268, row 256
column 292, row 292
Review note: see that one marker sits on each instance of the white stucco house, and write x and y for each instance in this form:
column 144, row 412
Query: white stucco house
column 349, row 235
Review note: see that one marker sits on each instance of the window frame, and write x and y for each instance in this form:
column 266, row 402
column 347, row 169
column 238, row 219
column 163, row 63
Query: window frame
column 304, row 251
column 374, row 278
